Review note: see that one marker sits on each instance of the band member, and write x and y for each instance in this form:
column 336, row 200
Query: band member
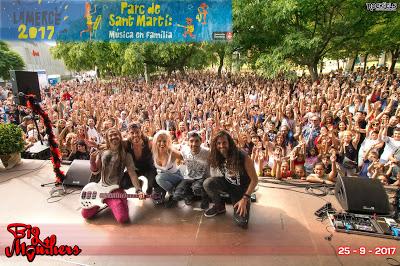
column 168, row 175
column 195, row 158
column 111, row 163
column 236, row 176
column 139, row 146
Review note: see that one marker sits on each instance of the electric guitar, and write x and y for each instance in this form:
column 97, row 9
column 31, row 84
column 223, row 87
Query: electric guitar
column 93, row 194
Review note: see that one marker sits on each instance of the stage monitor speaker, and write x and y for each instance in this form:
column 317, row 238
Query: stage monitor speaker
column 37, row 151
column 26, row 82
column 359, row 195
column 78, row 173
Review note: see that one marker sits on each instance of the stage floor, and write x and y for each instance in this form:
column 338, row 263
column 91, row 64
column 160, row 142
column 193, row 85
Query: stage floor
column 282, row 229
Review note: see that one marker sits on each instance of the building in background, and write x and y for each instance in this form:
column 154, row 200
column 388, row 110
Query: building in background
column 36, row 56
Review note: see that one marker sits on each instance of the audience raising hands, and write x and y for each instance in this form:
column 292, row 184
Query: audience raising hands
column 287, row 128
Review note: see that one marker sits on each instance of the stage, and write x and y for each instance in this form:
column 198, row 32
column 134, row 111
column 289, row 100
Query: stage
column 282, row 230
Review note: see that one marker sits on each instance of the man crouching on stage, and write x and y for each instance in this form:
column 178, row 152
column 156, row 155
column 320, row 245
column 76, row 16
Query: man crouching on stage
column 237, row 177
column 111, row 164
column 139, row 147
column 195, row 158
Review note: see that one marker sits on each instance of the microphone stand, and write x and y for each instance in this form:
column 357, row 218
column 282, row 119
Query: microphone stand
column 33, row 100
column 37, row 128
column 49, row 184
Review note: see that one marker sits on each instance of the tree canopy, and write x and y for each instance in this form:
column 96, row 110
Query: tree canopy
column 297, row 32
column 129, row 58
column 9, row 60
column 272, row 35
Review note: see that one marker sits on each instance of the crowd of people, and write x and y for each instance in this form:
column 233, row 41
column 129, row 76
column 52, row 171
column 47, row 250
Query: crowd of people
column 343, row 124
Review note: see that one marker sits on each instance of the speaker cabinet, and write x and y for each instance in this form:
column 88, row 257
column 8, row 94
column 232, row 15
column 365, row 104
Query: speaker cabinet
column 360, row 195
column 78, row 173
column 26, row 82
column 37, row 151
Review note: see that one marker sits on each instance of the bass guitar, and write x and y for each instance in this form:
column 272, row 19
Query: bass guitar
column 94, row 194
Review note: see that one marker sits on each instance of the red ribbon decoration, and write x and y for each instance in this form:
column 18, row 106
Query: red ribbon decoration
column 54, row 150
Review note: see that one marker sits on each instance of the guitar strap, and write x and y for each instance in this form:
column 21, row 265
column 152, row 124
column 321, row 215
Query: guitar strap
column 95, row 178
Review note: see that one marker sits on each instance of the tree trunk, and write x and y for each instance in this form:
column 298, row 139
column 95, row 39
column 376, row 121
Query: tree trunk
column 169, row 71
column 221, row 62
column 365, row 63
column 146, row 78
column 321, row 66
column 354, row 63
column 98, row 73
column 313, row 69
column 182, row 70
column 338, row 65
column 395, row 56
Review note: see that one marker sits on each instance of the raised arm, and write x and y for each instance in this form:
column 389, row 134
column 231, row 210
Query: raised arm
column 275, row 166
column 332, row 174
column 292, row 159
column 371, row 167
column 356, row 139
column 389, row 171
column 95, row 162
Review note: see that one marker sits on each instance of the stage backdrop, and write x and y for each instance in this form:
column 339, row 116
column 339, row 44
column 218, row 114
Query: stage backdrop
column 131, row 20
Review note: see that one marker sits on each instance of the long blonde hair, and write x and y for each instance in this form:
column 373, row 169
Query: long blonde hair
column 68, row 140
column 154, row 147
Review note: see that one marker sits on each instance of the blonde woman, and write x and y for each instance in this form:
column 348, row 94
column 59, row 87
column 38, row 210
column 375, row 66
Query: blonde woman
column 59, row 127
column 69, row 128
column 70, row 140
column 168, row 174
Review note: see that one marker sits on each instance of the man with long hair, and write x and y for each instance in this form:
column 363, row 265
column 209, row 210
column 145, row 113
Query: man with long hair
column 111, row 163
column 236, row 176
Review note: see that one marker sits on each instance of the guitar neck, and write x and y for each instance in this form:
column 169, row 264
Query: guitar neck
column 118, row 196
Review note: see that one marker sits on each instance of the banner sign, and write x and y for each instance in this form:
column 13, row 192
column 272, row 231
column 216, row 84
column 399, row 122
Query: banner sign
column 126, row 21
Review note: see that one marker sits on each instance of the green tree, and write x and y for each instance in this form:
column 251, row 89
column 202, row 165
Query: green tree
column 77, row 56
column 114, row 59
column 384, row 36
column 109, row 57
column 218, row 51
column 169, row 56
column 283, row 33
column 9, row 60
